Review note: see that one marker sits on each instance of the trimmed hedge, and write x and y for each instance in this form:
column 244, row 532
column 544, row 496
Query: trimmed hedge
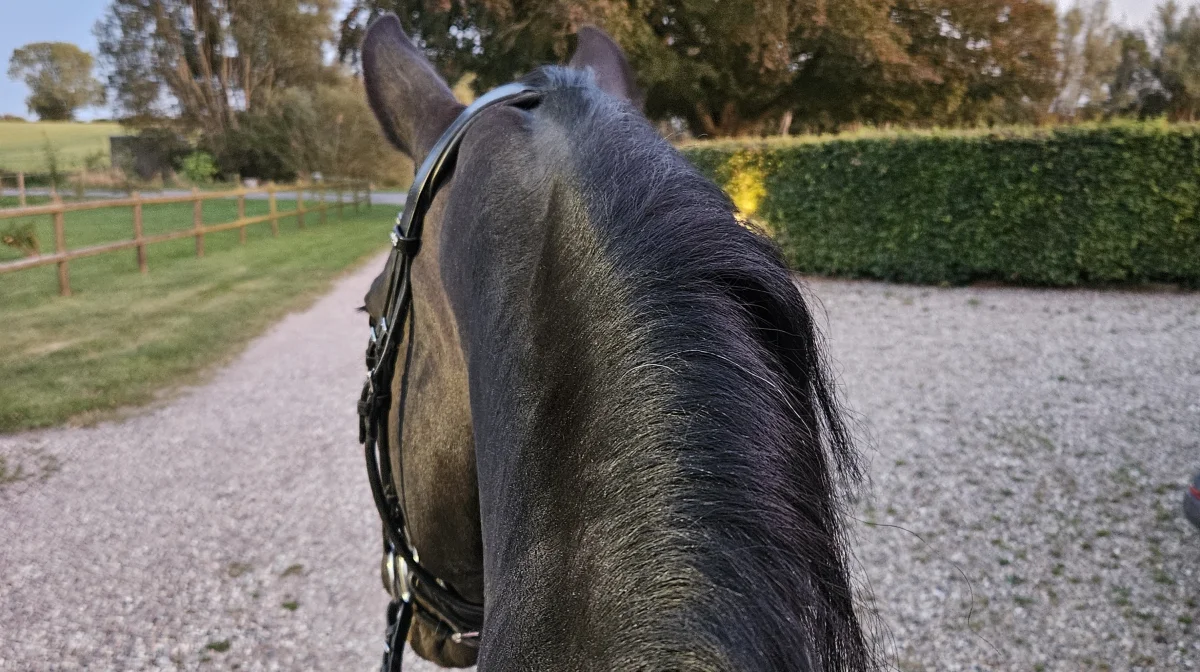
column 1100, row 204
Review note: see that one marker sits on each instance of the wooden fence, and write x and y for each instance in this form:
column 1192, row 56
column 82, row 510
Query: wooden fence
column 62, row 256
column 18, row 180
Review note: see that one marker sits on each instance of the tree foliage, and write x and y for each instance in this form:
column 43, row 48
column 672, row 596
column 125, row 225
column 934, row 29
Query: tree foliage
column 250, row 77
column 1109, row 71
column 990, row 61
column 1178, row 64
column 737, row 66
column 59, row 77
column 1135, row 89
column 1091, row 52
column 326, row 129
column 725, row 67
column 204, row 62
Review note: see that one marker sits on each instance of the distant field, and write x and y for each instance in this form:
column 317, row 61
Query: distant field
column 22, row 143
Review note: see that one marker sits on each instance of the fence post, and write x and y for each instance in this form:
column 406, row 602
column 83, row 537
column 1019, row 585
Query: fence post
column 274, row 210
column 60, row 246
column 198, row 220
column 300, row 206
column 21, row 188
column 242, row 215
column 137, row 233
column 339, row 202
column 324, row 205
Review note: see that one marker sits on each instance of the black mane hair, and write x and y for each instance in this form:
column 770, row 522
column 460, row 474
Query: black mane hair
column 729, row 455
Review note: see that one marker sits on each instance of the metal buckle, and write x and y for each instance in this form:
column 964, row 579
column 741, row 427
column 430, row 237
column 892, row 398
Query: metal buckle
column 395, row 235
column 396, row 577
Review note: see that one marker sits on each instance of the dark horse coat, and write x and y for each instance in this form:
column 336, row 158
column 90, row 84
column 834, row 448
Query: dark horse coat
column 619, row 433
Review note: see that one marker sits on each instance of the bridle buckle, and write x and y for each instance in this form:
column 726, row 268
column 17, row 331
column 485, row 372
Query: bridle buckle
column 397, row 578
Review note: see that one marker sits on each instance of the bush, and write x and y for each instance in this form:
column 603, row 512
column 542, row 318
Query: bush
column 21, row 237
column 328, row 129
column 199, row 167
column 96, row 161
column 259, row 147
column 1115, row 203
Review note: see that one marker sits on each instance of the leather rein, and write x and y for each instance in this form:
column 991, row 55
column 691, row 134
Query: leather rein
column 410, row 585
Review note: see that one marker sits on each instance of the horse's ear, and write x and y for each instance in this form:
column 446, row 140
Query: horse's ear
column 598, row 51
column 412, row 103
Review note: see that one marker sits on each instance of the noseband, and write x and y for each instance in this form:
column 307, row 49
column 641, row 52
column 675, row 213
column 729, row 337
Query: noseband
column 410, row 585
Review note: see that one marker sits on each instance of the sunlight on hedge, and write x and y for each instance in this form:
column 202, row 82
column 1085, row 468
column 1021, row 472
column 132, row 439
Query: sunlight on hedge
column 747, row 182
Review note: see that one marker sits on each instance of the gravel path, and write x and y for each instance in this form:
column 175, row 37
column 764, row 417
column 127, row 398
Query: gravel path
column 230, row 529
column 1036, row 441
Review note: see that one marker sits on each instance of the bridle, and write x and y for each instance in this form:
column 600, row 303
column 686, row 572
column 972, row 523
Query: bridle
column 410, row 585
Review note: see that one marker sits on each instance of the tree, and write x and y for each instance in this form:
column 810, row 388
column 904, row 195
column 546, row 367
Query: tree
column 1135, row 89
column 1159, row 75
column 59, row 77
column 1090, row 48
column 725, row 68
column 1178, row 66
column 990, row 61
column 211, row 61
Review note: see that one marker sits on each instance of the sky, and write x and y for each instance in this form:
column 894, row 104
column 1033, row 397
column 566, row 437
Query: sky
column 28, row 21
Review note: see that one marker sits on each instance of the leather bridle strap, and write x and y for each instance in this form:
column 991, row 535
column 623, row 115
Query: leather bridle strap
column 410, row 584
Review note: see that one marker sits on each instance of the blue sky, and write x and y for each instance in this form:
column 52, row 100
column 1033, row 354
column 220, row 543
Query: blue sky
column 28, row 21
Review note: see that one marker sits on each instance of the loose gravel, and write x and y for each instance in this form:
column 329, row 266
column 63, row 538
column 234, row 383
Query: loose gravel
column 229, row 529
column 1027, row 449
column 1028, row 452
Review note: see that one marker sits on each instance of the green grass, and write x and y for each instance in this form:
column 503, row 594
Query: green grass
column 22, row 143
column 124, row 337
column 30, row 200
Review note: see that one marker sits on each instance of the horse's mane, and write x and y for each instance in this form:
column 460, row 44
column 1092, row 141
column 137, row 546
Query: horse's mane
column 755, row 433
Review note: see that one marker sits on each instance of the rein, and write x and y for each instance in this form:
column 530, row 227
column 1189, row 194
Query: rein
column 410, row 585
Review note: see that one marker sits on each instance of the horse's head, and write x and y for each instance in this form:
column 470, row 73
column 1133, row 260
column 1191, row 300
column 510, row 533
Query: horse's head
column 436, row 475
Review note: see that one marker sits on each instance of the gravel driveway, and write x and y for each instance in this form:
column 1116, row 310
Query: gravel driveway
column 1031, row 444
column 1034, row 447
column 229, row 529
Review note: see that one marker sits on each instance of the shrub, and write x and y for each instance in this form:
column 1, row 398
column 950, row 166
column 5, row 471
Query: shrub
column 96, row 161
column 1114, row 203
column 21, row 237
column 199, row 167
column 53, row 169
column 327, row 129
column 259, row 147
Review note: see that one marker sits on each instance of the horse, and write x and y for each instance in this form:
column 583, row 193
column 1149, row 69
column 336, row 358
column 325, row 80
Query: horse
column 614, row 422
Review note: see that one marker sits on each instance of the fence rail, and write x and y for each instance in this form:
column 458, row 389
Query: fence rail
column 62, row 256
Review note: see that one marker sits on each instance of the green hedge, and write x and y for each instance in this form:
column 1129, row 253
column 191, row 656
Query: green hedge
column 1115, row 203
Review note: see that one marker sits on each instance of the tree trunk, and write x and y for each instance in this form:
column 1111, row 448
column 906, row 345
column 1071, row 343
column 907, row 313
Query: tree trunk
column 785, row 124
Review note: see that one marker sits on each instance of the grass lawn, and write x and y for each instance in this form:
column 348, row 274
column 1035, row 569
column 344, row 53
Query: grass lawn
column 123, row 337
column 30, row 200
column 22, row 143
